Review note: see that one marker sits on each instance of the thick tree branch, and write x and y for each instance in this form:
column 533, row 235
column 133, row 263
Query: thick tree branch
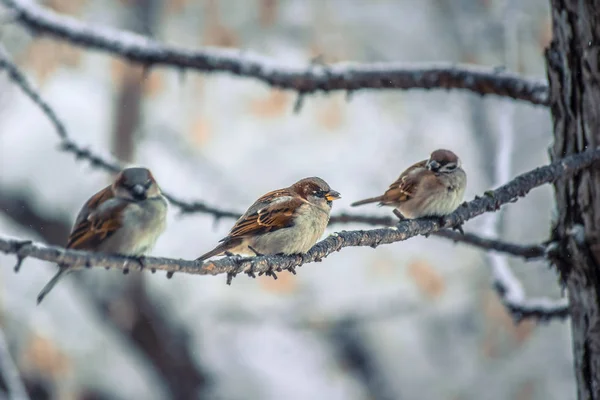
column 113, row 166
column 491, row 201
column 313, row 78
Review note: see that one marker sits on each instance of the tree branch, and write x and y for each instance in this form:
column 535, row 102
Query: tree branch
column 81, row 153
column 527, row 252
column 67, row 144
column 491, row 201
column 313, row 78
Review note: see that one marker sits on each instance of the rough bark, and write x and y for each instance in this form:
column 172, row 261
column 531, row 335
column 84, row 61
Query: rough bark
column 573, row 72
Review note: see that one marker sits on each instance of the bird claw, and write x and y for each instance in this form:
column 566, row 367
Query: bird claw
column 458, row 227
column 140, row 260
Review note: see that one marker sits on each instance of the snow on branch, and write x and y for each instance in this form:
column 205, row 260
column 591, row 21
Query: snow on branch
column 489, row 202
column 98, row 161
column 312, row 78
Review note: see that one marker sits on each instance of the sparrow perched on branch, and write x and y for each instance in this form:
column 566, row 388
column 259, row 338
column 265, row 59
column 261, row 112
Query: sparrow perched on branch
column 126, row 217
column 429, row 188
column 284, row 221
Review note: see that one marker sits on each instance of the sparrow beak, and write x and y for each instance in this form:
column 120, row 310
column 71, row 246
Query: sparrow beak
column 332, row 195
column 433, row 165
column 139, row 192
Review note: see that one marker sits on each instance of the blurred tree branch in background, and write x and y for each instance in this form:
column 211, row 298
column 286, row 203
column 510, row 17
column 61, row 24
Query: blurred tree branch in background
column 11, row 385
column 311, row 79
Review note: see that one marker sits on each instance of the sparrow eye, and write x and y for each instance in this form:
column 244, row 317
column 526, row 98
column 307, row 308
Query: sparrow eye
column 451, row 167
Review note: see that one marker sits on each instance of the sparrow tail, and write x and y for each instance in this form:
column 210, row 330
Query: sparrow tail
column 52, row 282
column 366, row 201
column 220, row 249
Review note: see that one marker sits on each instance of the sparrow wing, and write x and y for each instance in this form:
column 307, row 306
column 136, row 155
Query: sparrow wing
column 273, row 211
column 405, row 186
column 95, row 224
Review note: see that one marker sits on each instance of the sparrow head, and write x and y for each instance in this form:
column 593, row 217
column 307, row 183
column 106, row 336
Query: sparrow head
column 443, row 161
column 315, row 190
column 135, row 184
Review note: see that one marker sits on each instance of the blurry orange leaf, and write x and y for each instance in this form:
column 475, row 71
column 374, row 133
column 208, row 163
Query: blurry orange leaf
column 200, row 131
column 276, row 104
column 267, row 12
column 176, row 6
column 41, row 355
column 286, row 283
column 331, row 116
column 499, row 321
column 45, row 56
column 216, row 34
column 545, row 33
column 427, row 279
column 154, row 83
column 71, row 7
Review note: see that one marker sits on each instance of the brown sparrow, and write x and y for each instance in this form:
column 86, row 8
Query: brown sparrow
column 126, row 217
column 429, row 188
column 284, row 221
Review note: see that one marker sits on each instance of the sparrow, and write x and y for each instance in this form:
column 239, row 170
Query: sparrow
column 430, row 188
column 126, row 217
column 284, row 221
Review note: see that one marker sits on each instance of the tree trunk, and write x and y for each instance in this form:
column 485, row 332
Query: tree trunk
column 574, row 77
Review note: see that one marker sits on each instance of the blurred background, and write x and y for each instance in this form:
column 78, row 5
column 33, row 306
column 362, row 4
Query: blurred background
column 412, row 320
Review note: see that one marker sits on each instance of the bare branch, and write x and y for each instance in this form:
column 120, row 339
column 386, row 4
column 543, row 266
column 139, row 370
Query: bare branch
column 67, row 144
column 491, row 201
column 81, row 153
column 310, row 79
column 513, row 297
column 527, row 252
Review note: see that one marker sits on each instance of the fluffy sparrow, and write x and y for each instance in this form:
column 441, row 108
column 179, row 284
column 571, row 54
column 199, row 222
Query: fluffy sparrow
column 429, row 188
column 284, row 221
column 126, row 217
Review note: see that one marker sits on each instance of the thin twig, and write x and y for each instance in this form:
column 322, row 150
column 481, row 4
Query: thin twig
column 349, row 77
column 491, row 201
column 82, row 153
